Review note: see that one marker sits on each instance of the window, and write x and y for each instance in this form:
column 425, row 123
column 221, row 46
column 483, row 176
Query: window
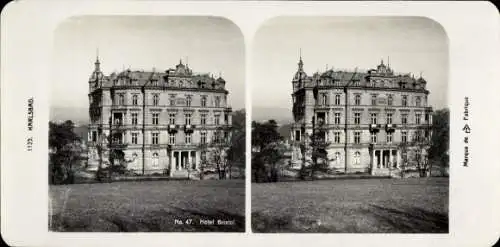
column 404, row 118
column 216, row 119
column 217, row 101
column 374, row 118
column 417, row 118
column 417, row 101
column 154, row 138
column 134, row 138
column 188, row 118
column 203, row 137
column 357, row 137
column 337, row 99
column 188, row 138
column 188, row 100
column 134, row 99
column 337, row 118
column 93, row 137
column 337, row 158
column 374, row 137
column 156, row 99
column 324, row 99
column 357, row 99
column 336, row 137
column 297, row 135
column 171, row 118
column 404, row 100
column 374, row 99
column 389, row 118
column 389, row 137
column 134, row 118
column 203, row 101
column 172, row 100
column 203, row 119
column 389, row 100
column 357, row 118
column 357, row 158
column 404, row 136
column 156, row 116
column 155, row 161
column 121, row 99
column 171, row 138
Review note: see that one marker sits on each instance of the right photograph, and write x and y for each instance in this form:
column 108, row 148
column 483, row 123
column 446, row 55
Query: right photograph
column 350, row 125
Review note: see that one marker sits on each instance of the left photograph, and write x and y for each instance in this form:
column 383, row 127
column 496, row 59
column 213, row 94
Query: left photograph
column 147, row 125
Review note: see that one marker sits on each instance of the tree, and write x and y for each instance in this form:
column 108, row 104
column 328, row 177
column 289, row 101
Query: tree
column 438, row 152
column 219, row 148
column 415, row 154
column 236, row 152
column 318, row 143
column 267, row 151
column 65, row 149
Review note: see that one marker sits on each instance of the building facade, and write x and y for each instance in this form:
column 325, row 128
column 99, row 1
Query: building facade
column 371, row 119
column 156, row 122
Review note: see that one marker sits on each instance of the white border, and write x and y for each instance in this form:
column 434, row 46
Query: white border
column 27, row 32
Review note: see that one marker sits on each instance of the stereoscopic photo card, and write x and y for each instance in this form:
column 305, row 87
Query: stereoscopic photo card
column 249, row 123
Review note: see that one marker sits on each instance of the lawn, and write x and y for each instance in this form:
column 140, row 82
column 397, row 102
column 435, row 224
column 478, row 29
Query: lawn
column 413, row 205
column 148, row 206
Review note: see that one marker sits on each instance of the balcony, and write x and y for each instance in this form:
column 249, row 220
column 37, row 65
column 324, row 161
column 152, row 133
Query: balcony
column 390, row 127
column 118, row 145
column 188, row 128
column 375, row 127
column 172, row 128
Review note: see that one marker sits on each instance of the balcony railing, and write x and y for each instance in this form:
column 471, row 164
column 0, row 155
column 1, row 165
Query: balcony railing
column 374, row 127
column 172, row 128
column 390, row 127
column 188, row 128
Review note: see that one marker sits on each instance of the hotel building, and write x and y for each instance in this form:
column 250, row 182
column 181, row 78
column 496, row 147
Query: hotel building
column 370, row 118
column 156, row 122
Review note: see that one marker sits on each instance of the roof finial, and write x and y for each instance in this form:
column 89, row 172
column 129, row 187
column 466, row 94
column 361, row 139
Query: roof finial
column 382, row 61
column 301, row 63
column 187, row 60
column 220, row 74
column 97, row 63
column 180, row 60
column 420, row 74
column 388, row 62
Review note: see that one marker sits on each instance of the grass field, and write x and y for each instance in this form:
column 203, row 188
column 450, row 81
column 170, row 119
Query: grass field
column 413, row 205
column 147, row 206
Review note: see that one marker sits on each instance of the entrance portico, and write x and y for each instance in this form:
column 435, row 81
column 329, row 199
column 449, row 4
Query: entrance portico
column 184, row 160
column 385, row 158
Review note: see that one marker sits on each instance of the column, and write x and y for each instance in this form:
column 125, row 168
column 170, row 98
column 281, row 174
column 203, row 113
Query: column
column 391, row 159
column 181, row 161
column 189, row 160
column 171, row 162
column 398, row 158
column 373, row 161
column 197, row 159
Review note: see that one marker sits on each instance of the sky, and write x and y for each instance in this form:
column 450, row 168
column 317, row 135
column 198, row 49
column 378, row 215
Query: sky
column 208, row 44
column 413, row 44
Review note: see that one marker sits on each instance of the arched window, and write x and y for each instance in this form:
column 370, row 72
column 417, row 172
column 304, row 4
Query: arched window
column 337, row 159
column 134, row 100
column 357, row 158
column 357, row 99
column 135, row 161
column 156, row 99
column 337, row 99
column 155, row 160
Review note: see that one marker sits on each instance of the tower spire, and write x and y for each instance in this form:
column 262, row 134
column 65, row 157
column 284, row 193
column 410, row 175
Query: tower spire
column 97, row 62
column 301, row 63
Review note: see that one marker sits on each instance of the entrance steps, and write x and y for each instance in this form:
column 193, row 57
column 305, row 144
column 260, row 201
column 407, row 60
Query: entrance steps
column 392, row 172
